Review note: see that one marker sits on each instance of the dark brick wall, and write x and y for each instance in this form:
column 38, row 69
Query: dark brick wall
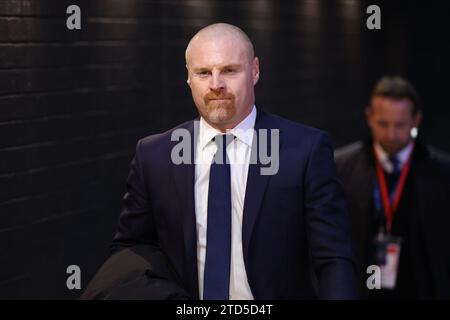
column 74, row 103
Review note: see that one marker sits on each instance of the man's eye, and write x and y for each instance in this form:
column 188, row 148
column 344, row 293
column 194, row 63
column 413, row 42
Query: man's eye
column 229, row 70
column 203, row 73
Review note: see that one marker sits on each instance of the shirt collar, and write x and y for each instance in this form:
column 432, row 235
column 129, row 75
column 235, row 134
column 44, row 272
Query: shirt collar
column 402, row 156
column 243, row 131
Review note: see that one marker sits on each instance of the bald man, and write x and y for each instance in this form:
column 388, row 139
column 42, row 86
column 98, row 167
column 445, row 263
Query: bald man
column 229, row 228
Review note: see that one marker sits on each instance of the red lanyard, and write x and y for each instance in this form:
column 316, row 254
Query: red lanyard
column 391, row 208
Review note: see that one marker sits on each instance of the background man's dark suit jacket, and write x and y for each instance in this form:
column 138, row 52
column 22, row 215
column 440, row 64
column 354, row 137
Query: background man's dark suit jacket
column 430, row 215
column 293, row 222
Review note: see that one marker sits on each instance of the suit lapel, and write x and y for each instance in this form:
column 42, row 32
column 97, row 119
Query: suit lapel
column 256, row 184
column 184, row 181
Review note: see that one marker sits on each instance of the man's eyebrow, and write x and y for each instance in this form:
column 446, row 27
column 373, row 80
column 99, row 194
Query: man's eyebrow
column 197, row 69
column 233, row 66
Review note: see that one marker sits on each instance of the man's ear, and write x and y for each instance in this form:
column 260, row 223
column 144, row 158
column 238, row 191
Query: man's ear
column 188, row 81
column 255, row 69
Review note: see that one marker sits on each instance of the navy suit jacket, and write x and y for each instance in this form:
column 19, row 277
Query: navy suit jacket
column 295, row 231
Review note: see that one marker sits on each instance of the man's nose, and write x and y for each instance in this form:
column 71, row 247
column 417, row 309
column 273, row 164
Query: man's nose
column 392, row 133
column 217, row 83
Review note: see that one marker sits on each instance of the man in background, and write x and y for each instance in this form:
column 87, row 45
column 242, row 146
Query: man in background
column 398, row 190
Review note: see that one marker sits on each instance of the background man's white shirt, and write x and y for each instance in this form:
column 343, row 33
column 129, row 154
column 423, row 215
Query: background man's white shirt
column 402, row 156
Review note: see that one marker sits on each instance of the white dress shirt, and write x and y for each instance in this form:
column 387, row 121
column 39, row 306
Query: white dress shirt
column 238, row 153
column 402, row 155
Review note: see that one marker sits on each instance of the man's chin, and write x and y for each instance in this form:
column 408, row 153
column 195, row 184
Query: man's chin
column 221, row 116
column 393, row 149
column 219, row 120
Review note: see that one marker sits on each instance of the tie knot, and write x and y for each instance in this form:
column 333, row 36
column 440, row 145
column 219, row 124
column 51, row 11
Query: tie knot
column 395, row 162
column 220, row 138
column 222, row 141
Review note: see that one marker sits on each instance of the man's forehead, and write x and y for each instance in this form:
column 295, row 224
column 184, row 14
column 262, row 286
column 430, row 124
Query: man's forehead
column 217, row 54
column 391, row 102
column 398, row 110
